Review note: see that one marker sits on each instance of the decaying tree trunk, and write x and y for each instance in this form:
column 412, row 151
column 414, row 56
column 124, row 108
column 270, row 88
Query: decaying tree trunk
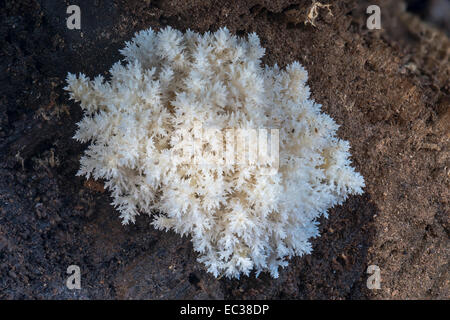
column 387, row 88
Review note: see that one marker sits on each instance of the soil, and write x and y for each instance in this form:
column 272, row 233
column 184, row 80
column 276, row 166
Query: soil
column 388, row 89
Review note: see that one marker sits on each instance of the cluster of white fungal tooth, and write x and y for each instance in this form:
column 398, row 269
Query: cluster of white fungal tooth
column 240, row 215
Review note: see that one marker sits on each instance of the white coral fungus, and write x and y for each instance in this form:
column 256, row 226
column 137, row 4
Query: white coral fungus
column 239, row 217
